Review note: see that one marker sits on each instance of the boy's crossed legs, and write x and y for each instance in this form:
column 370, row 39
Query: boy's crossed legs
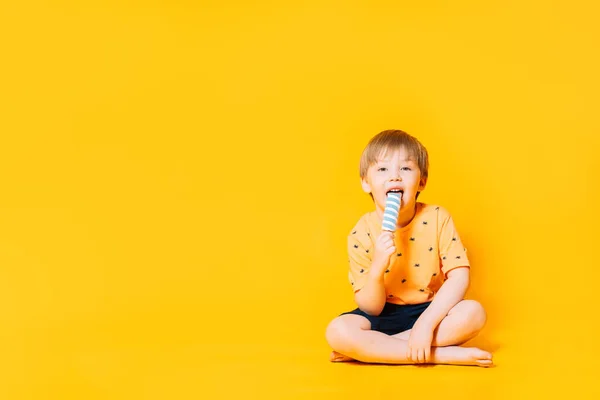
column 351, row 337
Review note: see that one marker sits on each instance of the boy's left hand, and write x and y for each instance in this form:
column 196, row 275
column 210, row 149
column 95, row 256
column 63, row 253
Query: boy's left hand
column 419, row 343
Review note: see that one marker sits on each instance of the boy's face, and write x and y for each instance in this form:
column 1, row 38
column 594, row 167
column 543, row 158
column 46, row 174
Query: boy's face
column 394, row 171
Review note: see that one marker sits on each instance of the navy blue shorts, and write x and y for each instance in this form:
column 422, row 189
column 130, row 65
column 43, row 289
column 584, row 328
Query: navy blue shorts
column 394, row 318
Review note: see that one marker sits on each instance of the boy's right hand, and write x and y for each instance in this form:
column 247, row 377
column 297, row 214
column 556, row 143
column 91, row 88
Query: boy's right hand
column 384, row 248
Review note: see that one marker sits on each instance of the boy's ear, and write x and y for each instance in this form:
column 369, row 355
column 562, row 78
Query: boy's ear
column 365, row 185
column 422, row 184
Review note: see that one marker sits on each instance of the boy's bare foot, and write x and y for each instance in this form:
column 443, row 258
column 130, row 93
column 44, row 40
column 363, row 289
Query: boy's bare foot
column 463, row 356
column 339, row 357
column 443, row 355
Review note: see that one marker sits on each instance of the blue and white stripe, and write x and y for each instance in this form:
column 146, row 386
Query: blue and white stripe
column 390, row 215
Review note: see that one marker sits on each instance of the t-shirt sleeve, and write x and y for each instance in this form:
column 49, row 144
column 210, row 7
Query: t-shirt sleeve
column 359, row 257
column 452, row 252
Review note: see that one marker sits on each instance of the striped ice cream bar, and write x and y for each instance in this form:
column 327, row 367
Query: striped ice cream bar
column 390, row 215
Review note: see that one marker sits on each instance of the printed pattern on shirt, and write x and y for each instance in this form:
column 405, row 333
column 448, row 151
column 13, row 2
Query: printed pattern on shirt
column 426, row 250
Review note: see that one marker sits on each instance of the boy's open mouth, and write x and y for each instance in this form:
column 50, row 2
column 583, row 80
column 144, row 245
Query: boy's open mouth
column 394, row 191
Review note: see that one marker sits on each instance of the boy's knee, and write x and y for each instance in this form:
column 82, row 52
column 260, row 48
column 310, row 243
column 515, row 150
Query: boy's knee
column 338, row 334
column 335, row 331
column 475, row 314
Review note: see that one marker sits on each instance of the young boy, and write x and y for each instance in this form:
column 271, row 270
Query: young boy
column 408, row 284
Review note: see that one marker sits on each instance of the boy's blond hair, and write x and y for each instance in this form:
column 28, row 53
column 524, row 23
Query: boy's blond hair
column 392, row 140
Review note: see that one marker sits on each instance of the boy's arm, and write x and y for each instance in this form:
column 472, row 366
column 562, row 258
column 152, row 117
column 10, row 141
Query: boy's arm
column 367, row 275
column 456, row 268
column 450, row 294
column 371, row 298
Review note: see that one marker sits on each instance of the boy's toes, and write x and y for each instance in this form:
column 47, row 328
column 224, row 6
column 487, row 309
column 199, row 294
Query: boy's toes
column 485, row 363
column 481, row 357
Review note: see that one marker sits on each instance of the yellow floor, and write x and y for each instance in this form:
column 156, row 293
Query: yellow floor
column 70, row 369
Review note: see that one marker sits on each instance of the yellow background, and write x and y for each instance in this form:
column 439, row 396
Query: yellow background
column 178, row 178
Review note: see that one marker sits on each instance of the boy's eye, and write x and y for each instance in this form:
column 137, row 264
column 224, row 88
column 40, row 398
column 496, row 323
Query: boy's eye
column 385, row 169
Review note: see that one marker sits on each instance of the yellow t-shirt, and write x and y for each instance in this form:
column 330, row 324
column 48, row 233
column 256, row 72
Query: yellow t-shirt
column 426, row 249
